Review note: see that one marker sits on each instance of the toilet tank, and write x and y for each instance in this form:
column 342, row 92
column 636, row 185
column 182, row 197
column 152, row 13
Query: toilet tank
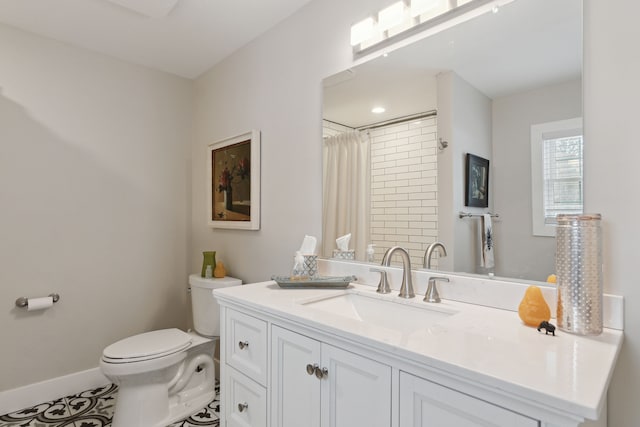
column 206, row 310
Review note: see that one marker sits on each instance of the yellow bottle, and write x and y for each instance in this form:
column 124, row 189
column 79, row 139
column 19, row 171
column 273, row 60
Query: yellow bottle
column 220, row 271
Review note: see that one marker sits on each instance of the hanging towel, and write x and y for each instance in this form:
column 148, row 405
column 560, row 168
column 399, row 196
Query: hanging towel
column 486, row 259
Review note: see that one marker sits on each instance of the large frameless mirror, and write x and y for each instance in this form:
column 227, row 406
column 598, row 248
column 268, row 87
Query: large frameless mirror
column 396, row 176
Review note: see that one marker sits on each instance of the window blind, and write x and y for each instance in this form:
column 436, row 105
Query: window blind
column 562, row 175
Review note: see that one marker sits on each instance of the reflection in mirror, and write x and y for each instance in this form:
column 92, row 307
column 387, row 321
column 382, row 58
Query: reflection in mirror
column 478, row 87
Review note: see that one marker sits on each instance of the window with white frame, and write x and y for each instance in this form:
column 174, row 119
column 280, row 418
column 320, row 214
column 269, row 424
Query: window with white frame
column 556, row 172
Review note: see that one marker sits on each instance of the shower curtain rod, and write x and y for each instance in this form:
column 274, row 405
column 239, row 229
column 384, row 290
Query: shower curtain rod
column 339, row 124
column 399, row 120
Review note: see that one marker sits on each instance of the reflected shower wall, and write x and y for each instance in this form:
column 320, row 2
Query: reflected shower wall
column 404, row 190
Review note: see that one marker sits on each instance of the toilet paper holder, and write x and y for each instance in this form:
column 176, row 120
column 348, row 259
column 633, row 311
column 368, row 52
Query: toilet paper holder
column 23, row 302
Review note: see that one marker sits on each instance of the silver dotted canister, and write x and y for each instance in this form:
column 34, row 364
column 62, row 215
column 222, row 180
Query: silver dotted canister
column 579, row 273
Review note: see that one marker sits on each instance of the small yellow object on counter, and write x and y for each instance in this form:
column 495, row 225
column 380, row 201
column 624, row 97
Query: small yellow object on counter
column 533, row 308
column 551, row 278
column 219, row 271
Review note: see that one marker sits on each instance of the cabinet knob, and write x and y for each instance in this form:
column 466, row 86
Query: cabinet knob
column 242, row 406
column 243, row 344
column 321, row 373
column 311, row 369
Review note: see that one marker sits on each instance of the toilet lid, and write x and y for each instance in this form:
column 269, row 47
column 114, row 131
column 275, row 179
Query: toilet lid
column 149, row 345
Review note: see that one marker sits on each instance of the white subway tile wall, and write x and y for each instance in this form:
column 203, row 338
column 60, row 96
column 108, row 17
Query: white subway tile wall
column 404, row 187
column 404, row 191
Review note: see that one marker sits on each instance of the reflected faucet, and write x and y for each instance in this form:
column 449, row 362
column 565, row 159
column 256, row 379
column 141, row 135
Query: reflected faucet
column 426, row 262
column 406, row 290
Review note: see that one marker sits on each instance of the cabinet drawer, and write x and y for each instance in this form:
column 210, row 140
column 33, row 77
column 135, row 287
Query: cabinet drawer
column 246, row 402
column 246, row 345
column 427, row 404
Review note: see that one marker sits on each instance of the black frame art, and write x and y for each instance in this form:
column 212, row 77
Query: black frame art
column 476, row 182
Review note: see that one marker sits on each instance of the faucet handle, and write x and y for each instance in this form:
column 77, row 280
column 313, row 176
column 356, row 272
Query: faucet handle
column 432, row 289
column 383, row 285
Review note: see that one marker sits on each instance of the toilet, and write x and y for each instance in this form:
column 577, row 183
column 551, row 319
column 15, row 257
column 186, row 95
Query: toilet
column 166, row 375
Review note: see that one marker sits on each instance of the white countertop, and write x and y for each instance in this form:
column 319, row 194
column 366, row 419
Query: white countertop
column 485, row 345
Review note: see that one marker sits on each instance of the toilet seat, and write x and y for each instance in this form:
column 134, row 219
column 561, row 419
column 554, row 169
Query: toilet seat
column 147, row 346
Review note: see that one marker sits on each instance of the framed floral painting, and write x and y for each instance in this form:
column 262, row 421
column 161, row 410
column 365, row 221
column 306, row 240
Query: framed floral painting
column 234, row 182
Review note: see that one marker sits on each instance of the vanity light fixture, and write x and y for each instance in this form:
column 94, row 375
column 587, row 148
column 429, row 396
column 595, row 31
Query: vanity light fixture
column 421, row 18
column 391, row 16
column 362, row 31
column 423, row 7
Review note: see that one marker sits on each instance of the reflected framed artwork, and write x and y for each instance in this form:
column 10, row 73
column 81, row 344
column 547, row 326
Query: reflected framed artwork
column 234, row 182
column 477, row 182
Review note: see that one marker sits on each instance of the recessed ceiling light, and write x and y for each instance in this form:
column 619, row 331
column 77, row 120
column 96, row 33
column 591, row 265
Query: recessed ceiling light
column 378, row 110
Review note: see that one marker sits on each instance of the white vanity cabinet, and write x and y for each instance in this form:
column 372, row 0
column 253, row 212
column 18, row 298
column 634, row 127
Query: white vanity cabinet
column 315, row 384
column 312, row 383
column 427, row 404
column 286, row 364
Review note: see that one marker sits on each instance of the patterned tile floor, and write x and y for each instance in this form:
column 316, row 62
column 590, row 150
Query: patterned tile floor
column 94, row 408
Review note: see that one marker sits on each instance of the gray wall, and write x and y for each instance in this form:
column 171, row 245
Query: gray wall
column 464, row 121
column 273, row 84
column 471, row 134
column 611, row 91
column 94, row 199
column 521, row 254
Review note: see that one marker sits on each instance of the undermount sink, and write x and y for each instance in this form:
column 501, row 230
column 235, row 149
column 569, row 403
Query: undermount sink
column 382, row 311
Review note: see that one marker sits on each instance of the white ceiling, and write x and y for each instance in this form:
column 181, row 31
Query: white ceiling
column 190, row 39
column 528, row 44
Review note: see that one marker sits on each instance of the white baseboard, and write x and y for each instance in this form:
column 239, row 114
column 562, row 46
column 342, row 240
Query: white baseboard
column 45, row 391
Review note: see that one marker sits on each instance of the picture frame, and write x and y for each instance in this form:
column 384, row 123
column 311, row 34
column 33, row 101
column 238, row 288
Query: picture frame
column 476, row 181
column 233, row 190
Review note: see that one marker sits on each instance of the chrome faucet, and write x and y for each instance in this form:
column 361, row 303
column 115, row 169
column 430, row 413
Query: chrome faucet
column 383, row 284
column 432, row 289
column 426, row 262
column 406, row 290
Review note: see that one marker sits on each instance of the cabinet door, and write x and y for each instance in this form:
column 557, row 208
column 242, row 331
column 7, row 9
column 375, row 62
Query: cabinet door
column 295, row 393
column 427, row 404
column 356, row 391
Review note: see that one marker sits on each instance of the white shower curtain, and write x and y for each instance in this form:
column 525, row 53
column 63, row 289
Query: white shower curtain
column 346, row 191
